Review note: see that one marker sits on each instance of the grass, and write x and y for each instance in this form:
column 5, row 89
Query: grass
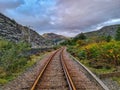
column 102, row 70
column 100, row 54
column 12, row 60
column 101, row 58
column 33, row 59
column 116, row 79
column 97, row 71
column 3, row 81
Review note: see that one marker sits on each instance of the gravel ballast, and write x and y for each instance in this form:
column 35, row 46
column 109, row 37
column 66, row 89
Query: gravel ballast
column 26, row 79
column 112, row 85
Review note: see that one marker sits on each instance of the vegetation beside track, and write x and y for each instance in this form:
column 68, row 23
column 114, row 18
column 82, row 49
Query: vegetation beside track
column 101, row 54
column 15, row 58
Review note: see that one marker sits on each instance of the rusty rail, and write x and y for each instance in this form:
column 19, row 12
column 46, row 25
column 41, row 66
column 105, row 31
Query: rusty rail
column 42, row 71
column 69, row 79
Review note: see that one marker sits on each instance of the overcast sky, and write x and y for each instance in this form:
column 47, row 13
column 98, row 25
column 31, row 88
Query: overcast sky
column 66, row 17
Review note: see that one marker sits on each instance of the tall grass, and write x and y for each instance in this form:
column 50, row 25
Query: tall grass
column 12, row 61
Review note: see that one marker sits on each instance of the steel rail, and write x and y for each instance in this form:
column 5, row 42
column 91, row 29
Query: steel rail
column 65, row 69
column 42, row 71
column 69, row 80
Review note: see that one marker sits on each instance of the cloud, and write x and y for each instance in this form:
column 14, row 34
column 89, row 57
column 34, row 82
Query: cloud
column 33, row 13
column 9, row 4
column 84, row 13
column 63, row 16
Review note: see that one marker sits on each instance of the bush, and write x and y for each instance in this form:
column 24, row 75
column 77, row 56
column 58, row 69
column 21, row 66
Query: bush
column 117, row 36
column 82, row 54
column 11, row 58
column 103, row 52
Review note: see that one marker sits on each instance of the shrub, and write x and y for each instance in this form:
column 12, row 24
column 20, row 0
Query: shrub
column 117, row 36
column 11, row 58
column 82, row 54
column 103, row 52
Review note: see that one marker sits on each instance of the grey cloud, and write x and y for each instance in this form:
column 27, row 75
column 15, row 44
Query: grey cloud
column 9, row 4
column 72, row 16
column 83, row 13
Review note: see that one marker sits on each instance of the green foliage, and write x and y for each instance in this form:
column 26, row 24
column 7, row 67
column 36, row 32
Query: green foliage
column 100, row 55
column 69, row 42
column 81, row 36
column 3, row 81
column 108, row 38
column 111, row 52
column 117, row 37
column 116, row 79
column 79, row 40
column 100, row 39
column 11, row 58
column 105, row 52
column 82, row 54
column 80, row 43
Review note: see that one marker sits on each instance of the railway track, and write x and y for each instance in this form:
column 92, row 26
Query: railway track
column 61, row 73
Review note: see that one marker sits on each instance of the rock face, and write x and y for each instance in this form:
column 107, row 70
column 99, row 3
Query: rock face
column 55, row 38
column 15, row 32
column 108, row 30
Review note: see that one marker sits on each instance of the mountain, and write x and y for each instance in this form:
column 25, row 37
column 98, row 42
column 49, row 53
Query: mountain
column 11, row 30
column 55, row 38
column 107, row 30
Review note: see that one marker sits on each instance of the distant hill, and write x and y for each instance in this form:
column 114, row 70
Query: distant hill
column 54, row 37
column 107, row 30
column 15, row 32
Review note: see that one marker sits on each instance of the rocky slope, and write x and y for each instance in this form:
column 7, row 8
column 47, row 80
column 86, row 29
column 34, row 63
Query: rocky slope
column 15, row 32
column 107, row 30
column 55, row 38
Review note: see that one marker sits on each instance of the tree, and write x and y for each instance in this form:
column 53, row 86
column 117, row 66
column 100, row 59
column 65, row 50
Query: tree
column 81, row 36
column 108, row 38
column 117, row 36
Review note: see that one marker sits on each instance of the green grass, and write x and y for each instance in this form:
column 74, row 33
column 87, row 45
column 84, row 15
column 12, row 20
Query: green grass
column 5, row 78
column 102, row 70
column 34, row 59
column 116, row 79
column 97, row 71
column 3, row 81
column 12, row 61
column 100, row 54
column 102, row 57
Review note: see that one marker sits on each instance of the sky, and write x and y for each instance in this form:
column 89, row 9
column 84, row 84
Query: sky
column 65, row 17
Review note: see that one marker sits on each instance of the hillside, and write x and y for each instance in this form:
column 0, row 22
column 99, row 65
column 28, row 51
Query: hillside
column 15, row 32
column 54, row 37
column 107, row 30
